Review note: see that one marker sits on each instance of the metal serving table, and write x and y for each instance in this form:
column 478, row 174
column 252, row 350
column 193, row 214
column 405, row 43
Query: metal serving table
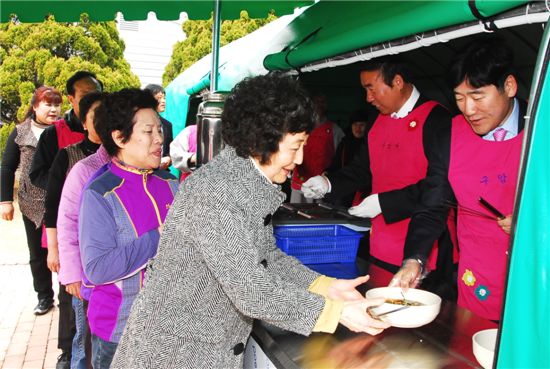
column 444, row 343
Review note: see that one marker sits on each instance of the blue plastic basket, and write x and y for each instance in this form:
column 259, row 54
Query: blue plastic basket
column 318, row 244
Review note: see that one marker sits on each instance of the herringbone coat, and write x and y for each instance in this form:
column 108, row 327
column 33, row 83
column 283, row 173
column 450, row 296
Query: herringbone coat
column 216, row 270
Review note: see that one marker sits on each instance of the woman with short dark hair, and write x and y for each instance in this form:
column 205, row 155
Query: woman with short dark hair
column 121, row 214
column 218, row 266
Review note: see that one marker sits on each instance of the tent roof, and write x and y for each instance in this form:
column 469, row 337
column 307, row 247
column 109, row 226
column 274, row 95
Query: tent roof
column 33, row 11
column 330, row 28
column 238, row 59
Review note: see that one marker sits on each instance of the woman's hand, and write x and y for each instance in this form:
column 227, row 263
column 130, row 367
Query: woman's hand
column 74, row 289
column 6, row 210
column 506, row 224
column 345, row 289
column 53, row 258
column 356, row 319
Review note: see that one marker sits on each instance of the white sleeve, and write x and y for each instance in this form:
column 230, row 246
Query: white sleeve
column 179, row 151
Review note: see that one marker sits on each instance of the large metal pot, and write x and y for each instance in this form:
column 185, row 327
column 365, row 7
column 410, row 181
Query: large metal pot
column 209, row 129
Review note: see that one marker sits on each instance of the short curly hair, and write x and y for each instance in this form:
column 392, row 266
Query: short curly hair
column 261, row 110
column 117, row 114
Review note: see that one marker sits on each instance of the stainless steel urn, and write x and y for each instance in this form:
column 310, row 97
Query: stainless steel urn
column 209, row 127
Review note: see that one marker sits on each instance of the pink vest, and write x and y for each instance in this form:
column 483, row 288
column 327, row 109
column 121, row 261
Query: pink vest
column 397, row 160
column 192, row 142
column 488, row 169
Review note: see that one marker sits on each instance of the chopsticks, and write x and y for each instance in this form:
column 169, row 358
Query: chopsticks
column 376, row 316
column 337, row 209
column 491, row 208
column 454, row 205
column 294, row 210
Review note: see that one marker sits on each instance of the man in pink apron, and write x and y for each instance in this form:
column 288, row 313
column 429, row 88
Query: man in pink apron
column 478, row 159
column 392, row 163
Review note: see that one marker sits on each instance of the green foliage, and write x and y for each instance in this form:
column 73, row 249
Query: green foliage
column 48, row 53
column 199, row 41
column 5, row 131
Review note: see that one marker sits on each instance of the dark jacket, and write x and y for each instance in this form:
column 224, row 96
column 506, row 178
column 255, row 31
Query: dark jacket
column 47, row 148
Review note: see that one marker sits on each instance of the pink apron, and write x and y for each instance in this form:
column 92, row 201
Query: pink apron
column 397, row 160
column 488, row 169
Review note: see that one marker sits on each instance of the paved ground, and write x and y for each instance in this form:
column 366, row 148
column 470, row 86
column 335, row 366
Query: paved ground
column 26, row 340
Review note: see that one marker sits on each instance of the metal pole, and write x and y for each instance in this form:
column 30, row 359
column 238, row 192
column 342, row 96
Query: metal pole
column 216, row 26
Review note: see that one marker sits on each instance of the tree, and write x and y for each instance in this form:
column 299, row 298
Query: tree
column 48, row 53
column 199, row 41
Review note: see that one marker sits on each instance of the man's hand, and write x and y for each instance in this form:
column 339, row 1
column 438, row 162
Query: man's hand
column 345, row 289
column 506, row 224
column 315, row 187
column 408, row 276
column 368, row 208
column 165, row 162
column 74, row 289
column 6, row 210
column 356, row 319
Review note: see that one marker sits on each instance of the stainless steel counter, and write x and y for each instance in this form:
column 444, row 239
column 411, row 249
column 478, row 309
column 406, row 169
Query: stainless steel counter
column 444, row 343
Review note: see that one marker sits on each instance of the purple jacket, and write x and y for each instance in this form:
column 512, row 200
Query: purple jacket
column 67, row 219
column 120, row 213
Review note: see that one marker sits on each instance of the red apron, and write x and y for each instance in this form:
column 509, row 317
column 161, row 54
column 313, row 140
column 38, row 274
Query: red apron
column 318, row 154
column 397, row 160
column 488, row 169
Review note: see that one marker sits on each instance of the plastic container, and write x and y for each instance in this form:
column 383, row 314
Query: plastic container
column 318, row 244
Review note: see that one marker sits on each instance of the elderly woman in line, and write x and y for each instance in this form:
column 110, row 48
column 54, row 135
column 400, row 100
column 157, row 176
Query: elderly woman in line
column 218, row 267
column 121, row 214
column 18, row 154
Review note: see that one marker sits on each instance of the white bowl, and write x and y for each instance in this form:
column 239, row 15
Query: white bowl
column 412, row 316
column 484, row 347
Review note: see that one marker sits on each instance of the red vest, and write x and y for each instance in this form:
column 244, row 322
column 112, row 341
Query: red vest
column 397, row 160
column 318, row 154
column 66, row 136
column 488, row 169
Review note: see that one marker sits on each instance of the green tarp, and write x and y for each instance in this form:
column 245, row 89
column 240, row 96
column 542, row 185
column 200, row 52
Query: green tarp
column 525, row 341
column 33, row 11
column 330, row 28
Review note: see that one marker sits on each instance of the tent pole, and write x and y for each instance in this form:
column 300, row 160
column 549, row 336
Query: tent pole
column 216, row 26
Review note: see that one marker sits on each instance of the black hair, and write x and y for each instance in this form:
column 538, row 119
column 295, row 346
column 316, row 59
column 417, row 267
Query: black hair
column 389, row 67
column 80, row 75
column 488, row 61
column 154, row 89
column 117, row 113
column 85, row 104
column 260, row 111
column 359, row 115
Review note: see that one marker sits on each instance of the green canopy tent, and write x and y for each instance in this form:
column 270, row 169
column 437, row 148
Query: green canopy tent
column 330, row 28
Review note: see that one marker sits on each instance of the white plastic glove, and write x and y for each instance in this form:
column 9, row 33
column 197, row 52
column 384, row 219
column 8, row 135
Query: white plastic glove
column 368, row 208
column 408, row 276
column 315, row 187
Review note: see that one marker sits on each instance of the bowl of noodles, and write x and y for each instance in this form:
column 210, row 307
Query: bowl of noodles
column 410, row 309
